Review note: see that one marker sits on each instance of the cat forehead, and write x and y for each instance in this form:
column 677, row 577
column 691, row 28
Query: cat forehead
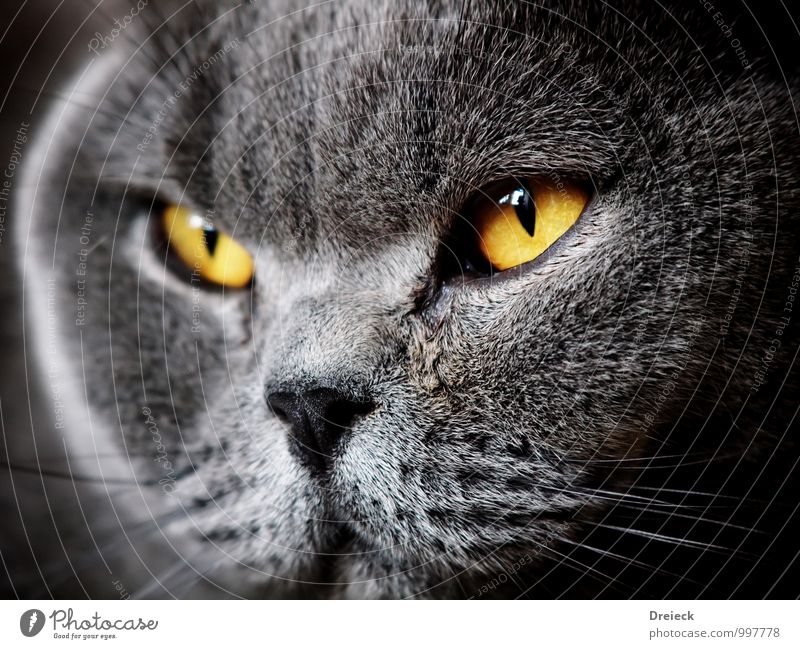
column 286, row 105
column 398, row 93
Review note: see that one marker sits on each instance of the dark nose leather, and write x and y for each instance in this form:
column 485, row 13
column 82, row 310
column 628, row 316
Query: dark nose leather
column 319, row 419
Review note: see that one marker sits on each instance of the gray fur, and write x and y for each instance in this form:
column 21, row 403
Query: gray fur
column 339, row 143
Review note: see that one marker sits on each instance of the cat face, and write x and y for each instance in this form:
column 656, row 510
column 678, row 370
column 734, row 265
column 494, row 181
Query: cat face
column 375, row 409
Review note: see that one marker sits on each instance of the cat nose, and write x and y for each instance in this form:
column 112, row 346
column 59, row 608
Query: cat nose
column 319, row 420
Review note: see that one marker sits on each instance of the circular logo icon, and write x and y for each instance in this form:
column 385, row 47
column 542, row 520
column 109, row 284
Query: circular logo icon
column 31, row 622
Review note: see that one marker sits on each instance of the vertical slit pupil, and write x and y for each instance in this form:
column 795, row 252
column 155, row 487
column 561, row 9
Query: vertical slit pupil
column 210, row 237
column 525, row 208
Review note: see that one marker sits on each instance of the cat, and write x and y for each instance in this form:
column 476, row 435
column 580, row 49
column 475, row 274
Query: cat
column 380, row 408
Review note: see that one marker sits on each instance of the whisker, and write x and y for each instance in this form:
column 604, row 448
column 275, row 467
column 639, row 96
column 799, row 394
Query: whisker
column 663, row 538
column 629, row 560
column 682, row 491
column 702, row 519
column 619, row 497
column 66, row 475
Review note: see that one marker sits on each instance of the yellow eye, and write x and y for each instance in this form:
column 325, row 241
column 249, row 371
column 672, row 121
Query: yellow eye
column 521, row 221
column 206, row 251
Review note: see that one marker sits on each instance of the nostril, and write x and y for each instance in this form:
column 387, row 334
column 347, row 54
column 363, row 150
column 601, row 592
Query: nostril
column 280, row 413
column 279, row 403
column 345, row 413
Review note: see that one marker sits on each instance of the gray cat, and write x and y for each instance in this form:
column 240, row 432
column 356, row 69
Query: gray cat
column 366, row 386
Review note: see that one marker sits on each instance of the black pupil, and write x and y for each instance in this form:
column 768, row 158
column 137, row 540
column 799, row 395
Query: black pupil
column 210, row 236
column 523, row 204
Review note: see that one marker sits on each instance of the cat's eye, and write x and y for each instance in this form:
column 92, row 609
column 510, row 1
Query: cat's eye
column 205, row 250
column 515, row 222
